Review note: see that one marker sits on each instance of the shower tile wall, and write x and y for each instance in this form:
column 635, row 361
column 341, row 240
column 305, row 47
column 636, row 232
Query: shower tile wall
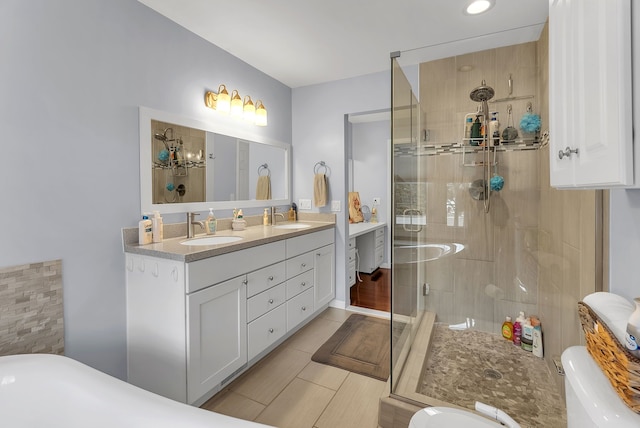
column 471, row 287
column 31, row 309
column 195, row 181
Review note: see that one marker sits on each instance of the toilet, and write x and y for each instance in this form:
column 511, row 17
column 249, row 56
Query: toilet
column 432, row 417
column 591, row 400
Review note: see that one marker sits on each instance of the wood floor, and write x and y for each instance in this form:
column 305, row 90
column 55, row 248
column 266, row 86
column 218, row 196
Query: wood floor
column 374, row 292
column 287, row 389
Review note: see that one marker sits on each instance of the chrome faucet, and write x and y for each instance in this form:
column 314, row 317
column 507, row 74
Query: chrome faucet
column 191, row 222
column 274, row 214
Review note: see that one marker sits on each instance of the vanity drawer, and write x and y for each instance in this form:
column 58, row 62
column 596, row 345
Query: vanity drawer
column 265, row 278
column 379, row 241
column 311, row 241
column 351, row 273
column 299, row 264
column 203, row 273
column 379, row 256
column 299, row 284
column 380, row 232
column 299, row 308
column 351, row 244
column 351, row 257
column 266, row 330
column 262, row 303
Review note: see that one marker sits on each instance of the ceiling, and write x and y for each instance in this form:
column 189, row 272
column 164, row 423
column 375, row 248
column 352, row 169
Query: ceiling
column 305, row 42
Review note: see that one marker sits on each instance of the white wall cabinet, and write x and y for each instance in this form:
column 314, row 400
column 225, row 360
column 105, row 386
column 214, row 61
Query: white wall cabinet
column 192, row 326
column 590, row 94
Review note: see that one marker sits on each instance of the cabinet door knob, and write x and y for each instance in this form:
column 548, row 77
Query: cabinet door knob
column 270, row 330
column 271, row 278
column 270, row 301
column 304, row 308
column 245, row 281
column 567, row 152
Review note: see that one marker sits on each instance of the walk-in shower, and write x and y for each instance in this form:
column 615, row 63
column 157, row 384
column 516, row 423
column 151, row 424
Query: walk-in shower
column 483, row 196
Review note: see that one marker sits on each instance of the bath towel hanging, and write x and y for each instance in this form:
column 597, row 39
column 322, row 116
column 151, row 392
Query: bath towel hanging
column 263, row 187
column 320, row 187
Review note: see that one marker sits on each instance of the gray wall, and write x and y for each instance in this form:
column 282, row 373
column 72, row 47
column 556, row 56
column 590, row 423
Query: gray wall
column 319, row 135
column 72, row 77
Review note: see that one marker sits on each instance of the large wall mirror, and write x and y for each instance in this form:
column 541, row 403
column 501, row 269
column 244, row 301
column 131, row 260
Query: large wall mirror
column 189, row 165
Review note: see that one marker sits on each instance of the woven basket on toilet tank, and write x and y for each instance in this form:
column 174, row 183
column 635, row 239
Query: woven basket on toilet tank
column 618, row 364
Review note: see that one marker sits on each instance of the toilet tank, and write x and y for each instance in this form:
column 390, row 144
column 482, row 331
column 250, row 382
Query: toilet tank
column 591, row 400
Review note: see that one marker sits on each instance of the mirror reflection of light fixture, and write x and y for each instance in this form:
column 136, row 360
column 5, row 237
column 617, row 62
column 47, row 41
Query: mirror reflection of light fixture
column 249, row 110
column 236, row 104
column 261, row 114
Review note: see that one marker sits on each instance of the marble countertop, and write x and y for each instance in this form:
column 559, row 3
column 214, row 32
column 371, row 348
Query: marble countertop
column 357, row 229
column 171, row 247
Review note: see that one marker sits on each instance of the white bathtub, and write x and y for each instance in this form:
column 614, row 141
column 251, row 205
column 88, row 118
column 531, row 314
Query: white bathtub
column 43, row 390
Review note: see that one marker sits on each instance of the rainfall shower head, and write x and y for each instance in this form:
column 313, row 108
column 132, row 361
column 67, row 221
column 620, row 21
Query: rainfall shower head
column 482, row 93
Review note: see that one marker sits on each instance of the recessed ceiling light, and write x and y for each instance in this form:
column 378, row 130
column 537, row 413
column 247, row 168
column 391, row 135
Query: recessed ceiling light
column 479, row 6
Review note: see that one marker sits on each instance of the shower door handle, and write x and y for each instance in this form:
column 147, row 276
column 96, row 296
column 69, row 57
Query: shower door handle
column 567, row 152
column 411, row 212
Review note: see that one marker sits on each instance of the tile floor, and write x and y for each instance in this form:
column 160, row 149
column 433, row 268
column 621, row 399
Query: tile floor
column 287, row 389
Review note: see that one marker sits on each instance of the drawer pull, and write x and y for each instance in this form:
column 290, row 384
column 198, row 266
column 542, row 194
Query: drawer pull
column 270, row 330
column 271, row 278
column 303, row 284
column 304, row 265
column 304, row 308
column 270, row 301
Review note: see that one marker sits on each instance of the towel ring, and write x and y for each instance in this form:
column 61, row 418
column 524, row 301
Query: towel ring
column 318, row 167
column 262, row 168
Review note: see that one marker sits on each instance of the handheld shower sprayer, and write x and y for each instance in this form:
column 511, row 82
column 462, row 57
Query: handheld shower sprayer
column 482, row 94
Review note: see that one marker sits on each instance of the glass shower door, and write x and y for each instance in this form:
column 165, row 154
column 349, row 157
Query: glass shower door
column 407, row 222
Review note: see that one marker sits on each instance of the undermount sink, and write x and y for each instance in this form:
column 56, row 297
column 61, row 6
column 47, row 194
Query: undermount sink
column 212, row 240
column 292, row 226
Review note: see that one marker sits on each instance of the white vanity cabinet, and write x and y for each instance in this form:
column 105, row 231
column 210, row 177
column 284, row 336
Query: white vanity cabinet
column 590, row 94
column 193, row 326
column 371, row 250
column 217, row 335
column 351, row 262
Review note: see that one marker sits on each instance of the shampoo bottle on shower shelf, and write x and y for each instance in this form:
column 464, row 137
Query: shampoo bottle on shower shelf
column 157, row 227
column 494, row 129
column 145, row 231
column 537, row 337
column 517, row 329
column 468, row 123
column 632, row 336
column 507, row 329
column 211, row 224
column 526, row 341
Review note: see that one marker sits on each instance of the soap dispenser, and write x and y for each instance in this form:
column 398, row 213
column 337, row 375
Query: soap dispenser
column 211, row 224
column 265, row 217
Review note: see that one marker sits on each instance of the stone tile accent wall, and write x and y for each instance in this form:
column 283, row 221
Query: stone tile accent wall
column 31, row 313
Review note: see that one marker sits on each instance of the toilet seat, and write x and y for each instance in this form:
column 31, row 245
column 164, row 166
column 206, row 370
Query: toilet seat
column 432, row 417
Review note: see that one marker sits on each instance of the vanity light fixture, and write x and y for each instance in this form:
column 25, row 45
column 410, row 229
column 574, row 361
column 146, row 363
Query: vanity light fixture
column 236, row 104
column 225, row 103
column 249, row 109
column 219, row 102
column 261, row 114
column 479, row 6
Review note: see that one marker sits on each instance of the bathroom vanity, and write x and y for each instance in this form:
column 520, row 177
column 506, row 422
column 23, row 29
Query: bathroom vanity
column 368, row 240
column 197, row 317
